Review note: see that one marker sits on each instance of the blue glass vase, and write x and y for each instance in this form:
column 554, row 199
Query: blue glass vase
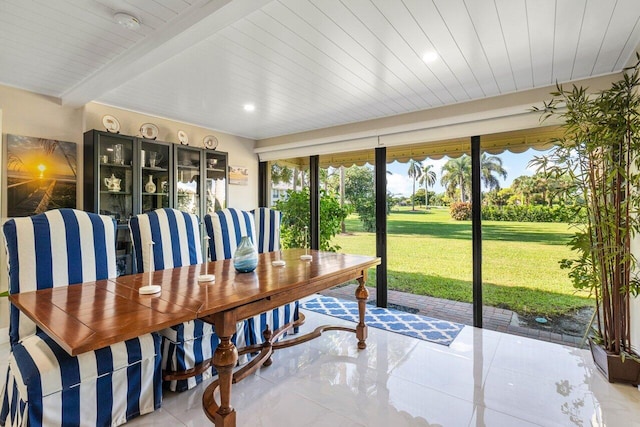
column 245, row 258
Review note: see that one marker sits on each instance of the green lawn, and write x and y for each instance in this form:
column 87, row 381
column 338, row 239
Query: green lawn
column 430, row 254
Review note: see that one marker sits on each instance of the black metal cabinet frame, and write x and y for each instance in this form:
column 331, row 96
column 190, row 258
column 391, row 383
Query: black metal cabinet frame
column 117, row 181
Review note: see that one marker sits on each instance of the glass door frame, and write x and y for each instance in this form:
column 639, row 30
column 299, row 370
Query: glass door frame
column 381, row 219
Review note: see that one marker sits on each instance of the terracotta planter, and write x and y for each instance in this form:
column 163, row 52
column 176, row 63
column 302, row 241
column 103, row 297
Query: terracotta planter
column 612, row 366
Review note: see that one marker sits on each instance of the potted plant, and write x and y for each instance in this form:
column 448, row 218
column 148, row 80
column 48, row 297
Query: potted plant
column 600, row 152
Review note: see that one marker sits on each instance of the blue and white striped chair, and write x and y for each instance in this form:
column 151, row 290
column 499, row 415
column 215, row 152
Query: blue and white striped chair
column 267, row 222
column 225, row 229
column 45, row 386
column 176, row 237
column 268, row 229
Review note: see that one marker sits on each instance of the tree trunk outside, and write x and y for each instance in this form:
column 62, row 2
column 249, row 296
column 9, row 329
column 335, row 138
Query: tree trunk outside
column 295, row 179
column 342, row 225
column 426, row 196
column 413, row 196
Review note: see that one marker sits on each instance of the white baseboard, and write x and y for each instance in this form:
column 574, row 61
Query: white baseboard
column 4, row 335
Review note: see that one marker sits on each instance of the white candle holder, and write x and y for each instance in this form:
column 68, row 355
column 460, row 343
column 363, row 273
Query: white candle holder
column 206, row 277
column 150, row 288
column 278, row 262
column 306, row 256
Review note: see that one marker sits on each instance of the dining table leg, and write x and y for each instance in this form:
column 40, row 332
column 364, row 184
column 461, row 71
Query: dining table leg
column 362, row 294
column 225, row 359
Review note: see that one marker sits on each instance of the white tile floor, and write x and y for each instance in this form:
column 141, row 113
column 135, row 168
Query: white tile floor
column 484, row 378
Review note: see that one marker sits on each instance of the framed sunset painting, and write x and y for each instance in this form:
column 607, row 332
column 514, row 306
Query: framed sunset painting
column 41, row 175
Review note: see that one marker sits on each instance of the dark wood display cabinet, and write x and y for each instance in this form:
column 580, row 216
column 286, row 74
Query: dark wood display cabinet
column 216, row 183
column 127, row 175
column 156, row 174
column 201, row 179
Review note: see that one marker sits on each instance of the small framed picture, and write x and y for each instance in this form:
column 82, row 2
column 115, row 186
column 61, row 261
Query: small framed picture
column 238, row 175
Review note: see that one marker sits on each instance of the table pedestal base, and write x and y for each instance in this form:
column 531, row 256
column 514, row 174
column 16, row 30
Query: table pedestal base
column 226, row 356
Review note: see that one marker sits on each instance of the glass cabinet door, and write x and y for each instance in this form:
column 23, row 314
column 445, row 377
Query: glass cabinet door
column 154, row 160
column 188, row 162
column 216, row 181
column 115, row 177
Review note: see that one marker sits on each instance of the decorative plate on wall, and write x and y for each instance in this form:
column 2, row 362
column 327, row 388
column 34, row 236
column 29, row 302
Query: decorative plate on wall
column 111, row 124
column 149, row 131
column 183, row 137
column 210, row 142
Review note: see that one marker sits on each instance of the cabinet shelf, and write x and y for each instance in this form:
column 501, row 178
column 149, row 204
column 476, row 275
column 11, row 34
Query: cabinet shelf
column 115, row 165
column 156, row 169
column 121, row 193
column 155, row 194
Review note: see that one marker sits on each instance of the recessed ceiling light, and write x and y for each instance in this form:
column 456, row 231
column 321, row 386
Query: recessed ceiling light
column 129, row 22
column 249, row 107
column 430, row 56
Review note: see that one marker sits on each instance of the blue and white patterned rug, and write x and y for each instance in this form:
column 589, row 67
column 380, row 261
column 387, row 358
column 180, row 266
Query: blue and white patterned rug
column 413, row 325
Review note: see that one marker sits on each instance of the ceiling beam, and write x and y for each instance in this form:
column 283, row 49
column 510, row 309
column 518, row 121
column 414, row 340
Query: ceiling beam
column 188, row 29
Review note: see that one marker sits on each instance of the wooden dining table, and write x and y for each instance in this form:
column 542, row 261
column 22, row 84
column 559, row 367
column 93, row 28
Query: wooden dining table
column 93, row 315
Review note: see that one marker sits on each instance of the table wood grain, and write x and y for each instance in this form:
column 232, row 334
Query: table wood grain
column 93, row 315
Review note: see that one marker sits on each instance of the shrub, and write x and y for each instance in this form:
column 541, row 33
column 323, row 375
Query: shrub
column 460, row 211
column 295, row 215
column 532, row 213
column 359, row 190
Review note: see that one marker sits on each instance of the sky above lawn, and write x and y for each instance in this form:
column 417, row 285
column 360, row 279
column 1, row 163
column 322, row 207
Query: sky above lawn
column 398, row 183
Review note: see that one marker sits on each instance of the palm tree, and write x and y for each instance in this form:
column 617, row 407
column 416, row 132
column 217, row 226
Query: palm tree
column 428, row 178
column 414, row 172
column 523, row 186
column 49, row 146
column 490, row 165
column 456, row 173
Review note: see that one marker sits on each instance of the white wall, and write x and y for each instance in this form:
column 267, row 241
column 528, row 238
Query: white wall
column 4, row 305
column 29, row 114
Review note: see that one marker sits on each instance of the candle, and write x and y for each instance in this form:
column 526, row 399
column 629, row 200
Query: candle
column 150, row 289
column 306, row 256
column 278, row 262
column 151, row 268
column 206, row 255
column 206, row 277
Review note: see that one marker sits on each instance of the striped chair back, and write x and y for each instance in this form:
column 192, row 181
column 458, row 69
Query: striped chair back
column 268, row 229
column 176, row 238
column 225, row 228
column 56, row 248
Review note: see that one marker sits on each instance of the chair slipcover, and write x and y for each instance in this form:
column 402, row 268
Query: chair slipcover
column 267, row 223
column 176, row 237
column 225, row 229
column 45, row 386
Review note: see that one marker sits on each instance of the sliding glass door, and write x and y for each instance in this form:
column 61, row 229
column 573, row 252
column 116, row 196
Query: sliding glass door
column 506, row 278
column 526, row 211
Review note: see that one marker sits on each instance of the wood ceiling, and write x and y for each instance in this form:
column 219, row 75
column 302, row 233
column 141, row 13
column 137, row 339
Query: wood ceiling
column 306, row 64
